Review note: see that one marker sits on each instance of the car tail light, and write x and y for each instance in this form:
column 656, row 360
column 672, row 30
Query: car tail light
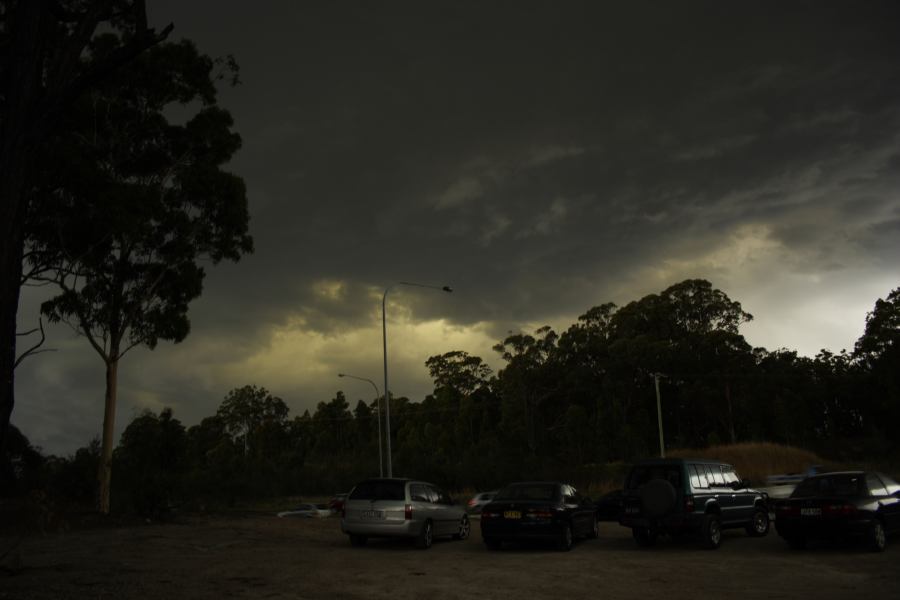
column 841, row 510
column 407, row 512
column 472, row 502
column 489, row 515
column 688, row 503
column 540, row 514
column 787, row 510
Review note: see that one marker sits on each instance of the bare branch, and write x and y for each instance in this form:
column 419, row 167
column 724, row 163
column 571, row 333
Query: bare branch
column 34, row 349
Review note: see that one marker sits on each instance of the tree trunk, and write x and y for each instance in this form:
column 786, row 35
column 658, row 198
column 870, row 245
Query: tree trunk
column 109, row 424
column 12, row 171
column 22, row 83
column 10, row 275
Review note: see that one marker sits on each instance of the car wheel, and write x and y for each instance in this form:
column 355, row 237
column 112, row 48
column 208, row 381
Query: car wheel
column 565, row 538
column 594, row 532
column 711, row 531
column 464, row 529
column 493, row 544
column 878, row 537
column 425, row 537
column 644, row 536
column 759, row 523
column 358, row 540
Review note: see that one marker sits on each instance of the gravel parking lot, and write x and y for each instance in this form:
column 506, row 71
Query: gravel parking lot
column 267, row 557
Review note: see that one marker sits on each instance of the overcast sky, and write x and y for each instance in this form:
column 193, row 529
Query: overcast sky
column 539, row 157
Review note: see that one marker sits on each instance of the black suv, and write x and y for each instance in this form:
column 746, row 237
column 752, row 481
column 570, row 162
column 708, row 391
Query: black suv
column 681, row 496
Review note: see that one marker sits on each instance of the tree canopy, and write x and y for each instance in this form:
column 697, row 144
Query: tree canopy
column 47, row 63
column 131, row 206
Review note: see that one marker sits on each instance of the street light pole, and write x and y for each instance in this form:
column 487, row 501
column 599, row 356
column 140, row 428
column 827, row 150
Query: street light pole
column 377, row 414
column 387, row 393
column 662, row 445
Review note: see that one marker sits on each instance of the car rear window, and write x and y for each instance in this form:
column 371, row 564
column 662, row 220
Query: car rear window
column 642, row 474
column 379, row 490
column 529, row 491
column 830, row 485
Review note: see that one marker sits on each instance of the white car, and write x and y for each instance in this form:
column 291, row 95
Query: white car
column 308, row 511
column 480, row 500
column 402, row 508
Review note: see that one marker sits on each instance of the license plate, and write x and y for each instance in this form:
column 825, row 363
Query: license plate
column 512, row 514
column 632, row 510
column 810, row 512
column 373, row 514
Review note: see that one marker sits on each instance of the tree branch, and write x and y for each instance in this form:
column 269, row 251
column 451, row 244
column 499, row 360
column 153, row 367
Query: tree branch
column 34, row 349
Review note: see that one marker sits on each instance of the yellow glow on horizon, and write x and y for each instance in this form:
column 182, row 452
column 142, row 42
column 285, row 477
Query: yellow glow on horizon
column 749, row 247
column 297, row 356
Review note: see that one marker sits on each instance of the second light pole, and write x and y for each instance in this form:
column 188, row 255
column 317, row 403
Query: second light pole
column 377, row 415
column 387, row 392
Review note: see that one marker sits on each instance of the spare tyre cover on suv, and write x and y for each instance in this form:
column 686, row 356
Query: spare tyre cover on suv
column 658, row 497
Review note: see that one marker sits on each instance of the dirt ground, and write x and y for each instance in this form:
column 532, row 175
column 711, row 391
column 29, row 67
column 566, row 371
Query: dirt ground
column 267, row 557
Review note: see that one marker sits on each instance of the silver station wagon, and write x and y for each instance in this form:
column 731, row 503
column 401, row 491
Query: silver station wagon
column 402, row 508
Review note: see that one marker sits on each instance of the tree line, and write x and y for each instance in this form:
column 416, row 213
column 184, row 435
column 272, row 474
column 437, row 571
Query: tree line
column 573, row 404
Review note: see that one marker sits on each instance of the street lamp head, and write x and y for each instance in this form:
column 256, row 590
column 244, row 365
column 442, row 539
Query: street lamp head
column 447, row 288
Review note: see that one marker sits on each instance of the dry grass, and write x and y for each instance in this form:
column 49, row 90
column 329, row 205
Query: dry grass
column 753, row 461
column 757, row 460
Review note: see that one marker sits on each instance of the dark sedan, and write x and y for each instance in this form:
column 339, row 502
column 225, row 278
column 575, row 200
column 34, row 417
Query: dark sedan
column 844, row 505
column 540, row 511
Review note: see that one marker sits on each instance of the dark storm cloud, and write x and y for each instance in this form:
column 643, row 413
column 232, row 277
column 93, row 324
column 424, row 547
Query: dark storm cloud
column 540, row 156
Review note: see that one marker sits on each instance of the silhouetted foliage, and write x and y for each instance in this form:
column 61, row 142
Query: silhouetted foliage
column 151, row 461
column 47, row 63
column 131, row 206
column 21, row 466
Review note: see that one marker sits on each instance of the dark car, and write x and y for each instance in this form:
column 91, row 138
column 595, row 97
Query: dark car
column 841, row 505
column 538, row 511
column 678, row 496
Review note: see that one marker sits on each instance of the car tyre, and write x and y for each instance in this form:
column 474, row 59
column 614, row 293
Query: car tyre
column 644, row 536
column 711, row 531
column 464, row 529
column 425, row 537
column 878, row 537
column 358, row 540
column 564, row 543
column 759, row 523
